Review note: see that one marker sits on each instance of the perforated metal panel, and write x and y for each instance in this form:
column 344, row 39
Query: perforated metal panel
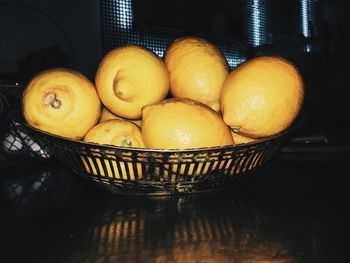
column 257, row 22
column 119, row 28
column 15, row 142
column 307, row 22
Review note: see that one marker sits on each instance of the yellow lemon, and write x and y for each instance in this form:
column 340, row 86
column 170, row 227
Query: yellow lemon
column 197, row 70
column 182, row 124
column 62, row 102
column 262, row 96
column 129, row 78
column 107, row 115
column 116, row 132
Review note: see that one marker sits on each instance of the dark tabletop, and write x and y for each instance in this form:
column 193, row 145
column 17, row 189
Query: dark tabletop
column 293, row 209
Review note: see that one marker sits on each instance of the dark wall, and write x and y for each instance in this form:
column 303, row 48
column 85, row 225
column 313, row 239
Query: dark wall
column 35, row 32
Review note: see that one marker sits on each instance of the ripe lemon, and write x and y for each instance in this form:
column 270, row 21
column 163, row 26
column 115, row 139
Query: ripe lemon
column 116, row 132
column 62, row 102
column 262, row 96
column 107, row 115
column 181, row 124
column 241, row 139
column 197, row 70
column 129, row 78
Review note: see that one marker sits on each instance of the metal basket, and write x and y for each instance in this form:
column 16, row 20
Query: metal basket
column 158, row 172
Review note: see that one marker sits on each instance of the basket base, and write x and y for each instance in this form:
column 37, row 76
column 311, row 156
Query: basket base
column 146, row 188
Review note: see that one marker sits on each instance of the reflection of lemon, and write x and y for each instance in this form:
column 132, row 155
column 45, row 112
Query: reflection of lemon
column 61, row 102
column 107, row 115
column 116, row 132
column 197, row 70
column 262, row 96
column 241, row 139
column 181, row 124
column 129, row 78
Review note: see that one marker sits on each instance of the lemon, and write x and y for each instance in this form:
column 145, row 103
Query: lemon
column 182, row 124
column 129, row 78
column 262, row 96
column 197, row 70
column 116, row 132
column 62, row 102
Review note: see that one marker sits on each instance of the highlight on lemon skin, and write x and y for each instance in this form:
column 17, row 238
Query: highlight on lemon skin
column 197, row 70
column 61, row 101
column 116, row 132
column 183, row 124
column 262, row 96
column 129, row 78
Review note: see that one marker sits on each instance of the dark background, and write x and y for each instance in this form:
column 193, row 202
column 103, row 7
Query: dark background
column 40, row 34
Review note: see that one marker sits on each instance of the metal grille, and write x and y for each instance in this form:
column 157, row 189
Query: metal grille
column 15, row 142
column 307, row 25
column 257, row 22
column 119, row 28
column 307, row 17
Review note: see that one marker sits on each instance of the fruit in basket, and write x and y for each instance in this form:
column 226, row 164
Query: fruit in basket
column 129, row 78
column 241, row 139
column 116, row 132
column 262, row 96
column 197, row 70
column 107, row 115
column 62, row 102
column 182, row 124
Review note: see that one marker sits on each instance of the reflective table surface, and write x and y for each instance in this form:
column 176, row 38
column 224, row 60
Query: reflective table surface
column 293, row 209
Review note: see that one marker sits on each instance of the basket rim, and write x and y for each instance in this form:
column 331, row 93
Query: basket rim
column 169, row 151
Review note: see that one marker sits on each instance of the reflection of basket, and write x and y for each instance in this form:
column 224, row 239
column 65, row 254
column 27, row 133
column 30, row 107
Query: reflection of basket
column 211, row 228
column 149, row 171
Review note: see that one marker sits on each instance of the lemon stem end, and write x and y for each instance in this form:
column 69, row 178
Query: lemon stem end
column 126, row 143
column 235, row 129
column 50, row 99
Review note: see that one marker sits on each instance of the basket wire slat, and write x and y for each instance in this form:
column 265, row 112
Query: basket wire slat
column 244, row 163
column 257, row 159
column 152, row 171
column 228, row 165
column 236, row 166
column 212, row 168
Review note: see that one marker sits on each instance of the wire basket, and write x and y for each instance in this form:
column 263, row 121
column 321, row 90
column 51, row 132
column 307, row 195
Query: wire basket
column 160, row 172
